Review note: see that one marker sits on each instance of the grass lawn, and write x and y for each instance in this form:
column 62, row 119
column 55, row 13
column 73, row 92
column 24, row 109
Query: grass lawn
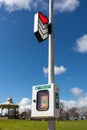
column 6, row 124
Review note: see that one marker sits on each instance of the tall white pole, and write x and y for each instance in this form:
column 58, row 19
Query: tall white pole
column 51, row 45
column 51, row 123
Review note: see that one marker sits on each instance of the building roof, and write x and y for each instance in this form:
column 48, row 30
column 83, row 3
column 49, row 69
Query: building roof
column 8, row 104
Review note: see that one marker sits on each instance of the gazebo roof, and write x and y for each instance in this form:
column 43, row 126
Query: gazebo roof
column 9, row 100
column 9, row 104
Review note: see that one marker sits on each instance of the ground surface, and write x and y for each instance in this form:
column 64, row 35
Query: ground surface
column 6, row 124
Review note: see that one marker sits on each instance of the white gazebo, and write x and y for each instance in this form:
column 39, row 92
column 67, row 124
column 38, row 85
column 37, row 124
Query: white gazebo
column 9, row 105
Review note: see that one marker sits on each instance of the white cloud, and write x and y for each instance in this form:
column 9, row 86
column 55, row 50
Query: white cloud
column 82, row 101
column 69, row 104
column 11, row 5
column 25, row 101
column 81, row 44
column 45, row 70
column 25, row 104
column 76, row 91
column 59, row 5
column 66, row 5
column 79, row 103
column 57, row 70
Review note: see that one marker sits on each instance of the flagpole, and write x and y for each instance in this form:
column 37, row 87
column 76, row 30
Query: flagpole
column 51, row 123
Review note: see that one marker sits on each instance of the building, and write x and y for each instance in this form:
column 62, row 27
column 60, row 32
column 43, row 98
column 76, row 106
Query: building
column 11, row 108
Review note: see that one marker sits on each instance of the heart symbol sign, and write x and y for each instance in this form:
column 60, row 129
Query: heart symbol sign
column 44, row 19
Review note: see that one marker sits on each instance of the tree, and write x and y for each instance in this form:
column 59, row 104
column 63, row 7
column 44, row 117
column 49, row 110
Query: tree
column 63, row 113
column 25, row 114
column 73, row 113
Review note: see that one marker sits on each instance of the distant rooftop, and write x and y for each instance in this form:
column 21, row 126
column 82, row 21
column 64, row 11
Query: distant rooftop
column 9, row 104
column 9, row 100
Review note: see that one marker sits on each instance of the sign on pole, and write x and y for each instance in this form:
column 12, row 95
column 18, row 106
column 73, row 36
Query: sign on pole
column 45, row 101
column 41, row 26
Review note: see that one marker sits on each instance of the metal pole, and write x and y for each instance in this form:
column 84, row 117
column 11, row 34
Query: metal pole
column 51, row 46
column 51, row 124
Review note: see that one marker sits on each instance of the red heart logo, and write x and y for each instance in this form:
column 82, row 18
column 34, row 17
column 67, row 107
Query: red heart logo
column 44, row 19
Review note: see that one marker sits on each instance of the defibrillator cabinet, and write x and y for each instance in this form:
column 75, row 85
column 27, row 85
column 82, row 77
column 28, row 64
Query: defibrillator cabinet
column 45, row 101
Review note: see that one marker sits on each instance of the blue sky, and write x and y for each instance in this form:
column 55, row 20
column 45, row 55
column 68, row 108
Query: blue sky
column 24, row 61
